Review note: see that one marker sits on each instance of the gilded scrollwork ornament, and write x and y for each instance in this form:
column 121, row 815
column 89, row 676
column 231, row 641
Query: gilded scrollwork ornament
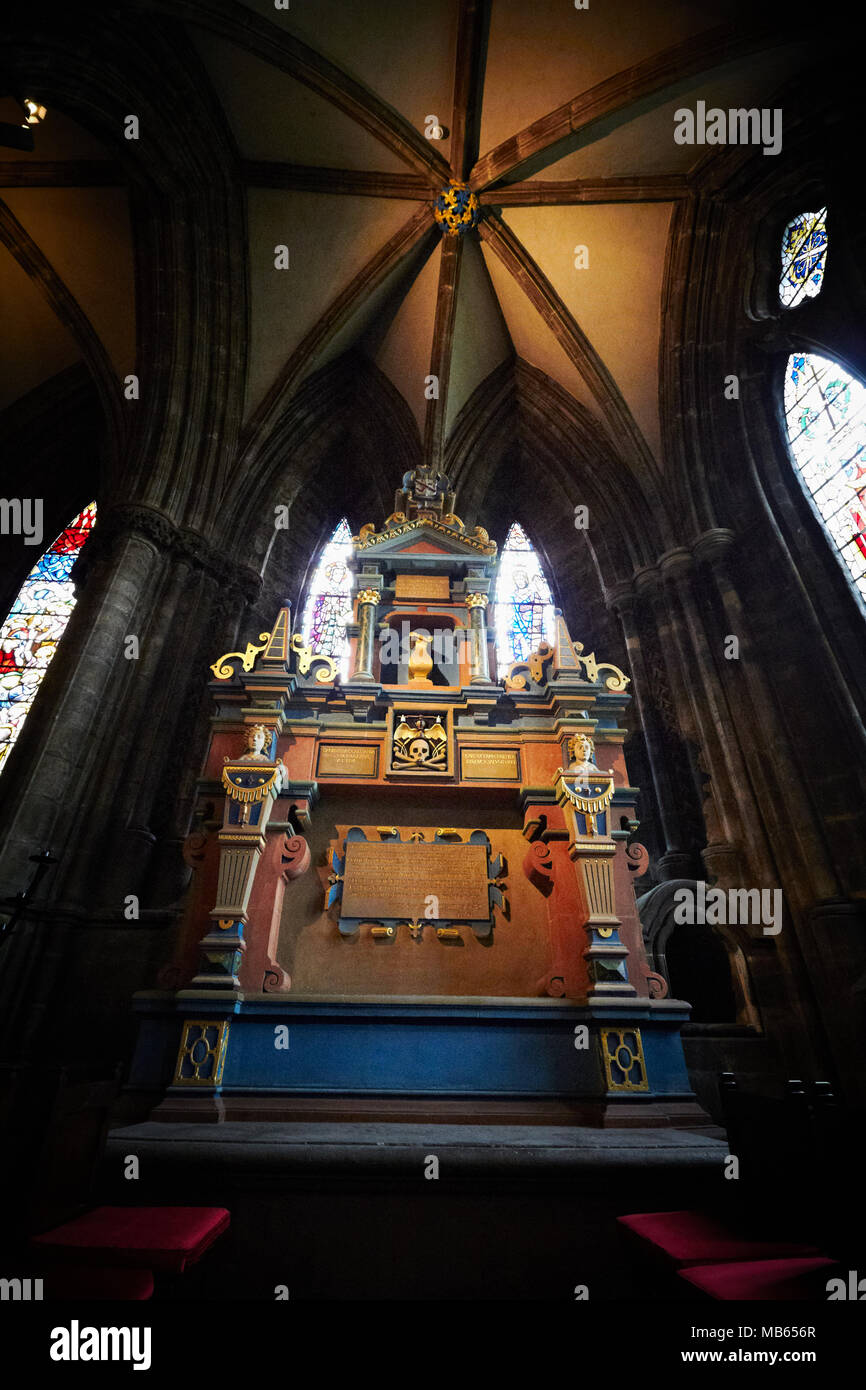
column 307, row 658
column 222, row 668
column 534, row 665
column 616, row 682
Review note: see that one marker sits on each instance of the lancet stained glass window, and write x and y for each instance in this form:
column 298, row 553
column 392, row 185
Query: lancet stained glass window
column 826, row 418
column 30, row 634
column 804, row 257
column 329, row 599
column 524, row 604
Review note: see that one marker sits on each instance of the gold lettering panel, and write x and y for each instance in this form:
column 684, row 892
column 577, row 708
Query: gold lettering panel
column 422, row 586
column 490, row 764
column 384, row 881
column 347, row 760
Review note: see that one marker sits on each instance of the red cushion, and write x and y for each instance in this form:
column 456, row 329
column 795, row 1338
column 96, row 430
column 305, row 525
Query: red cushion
column 695, row 1237
column 148, row 1237
column 81, row 1283
column 790, row 1281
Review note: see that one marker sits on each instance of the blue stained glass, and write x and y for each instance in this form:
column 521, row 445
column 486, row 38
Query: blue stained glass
column 804, row 257
column 524, row 612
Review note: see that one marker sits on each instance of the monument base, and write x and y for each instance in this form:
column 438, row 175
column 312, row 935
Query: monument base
column 217, row 1056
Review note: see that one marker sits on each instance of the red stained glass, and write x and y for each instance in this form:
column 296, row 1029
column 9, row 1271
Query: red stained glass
column 35, row 625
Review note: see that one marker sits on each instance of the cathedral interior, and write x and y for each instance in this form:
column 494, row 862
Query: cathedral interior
column 432, row 676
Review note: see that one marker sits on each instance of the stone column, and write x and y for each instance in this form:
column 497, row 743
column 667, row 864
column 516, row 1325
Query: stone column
column 676, row 862
column 717, row 734
column 479, row 666
column 368, row 600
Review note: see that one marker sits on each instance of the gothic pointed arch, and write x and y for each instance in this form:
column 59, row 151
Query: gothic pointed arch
column 519, row 425
column 334, row 451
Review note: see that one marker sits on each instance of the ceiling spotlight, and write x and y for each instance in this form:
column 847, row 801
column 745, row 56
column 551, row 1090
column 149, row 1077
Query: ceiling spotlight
column 33, row 112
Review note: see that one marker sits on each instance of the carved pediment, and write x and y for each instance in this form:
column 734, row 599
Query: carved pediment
column 425, row 537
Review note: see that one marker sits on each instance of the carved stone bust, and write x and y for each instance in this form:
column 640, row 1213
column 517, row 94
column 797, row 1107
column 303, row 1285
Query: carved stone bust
column 258, row 738
column 581, row 751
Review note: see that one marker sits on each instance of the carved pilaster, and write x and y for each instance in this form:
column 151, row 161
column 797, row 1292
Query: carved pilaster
column 251, row 784
column 549, row 870
column 287, row 857
column 585, row 792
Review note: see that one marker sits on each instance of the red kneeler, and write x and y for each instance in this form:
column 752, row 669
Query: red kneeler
column 121, row 1246
column 679, row 1239
column 783, row 1281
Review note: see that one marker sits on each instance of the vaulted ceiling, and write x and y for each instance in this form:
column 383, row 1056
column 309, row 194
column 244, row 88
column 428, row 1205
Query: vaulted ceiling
column 560, row 119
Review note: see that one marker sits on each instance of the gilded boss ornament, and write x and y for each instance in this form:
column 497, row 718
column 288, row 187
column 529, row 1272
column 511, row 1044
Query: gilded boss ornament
column 456, row 209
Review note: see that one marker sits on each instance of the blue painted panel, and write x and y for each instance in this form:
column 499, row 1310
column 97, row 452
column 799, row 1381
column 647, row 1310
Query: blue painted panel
column 367, row 1047
column 666, row 1065
column 424, row 1055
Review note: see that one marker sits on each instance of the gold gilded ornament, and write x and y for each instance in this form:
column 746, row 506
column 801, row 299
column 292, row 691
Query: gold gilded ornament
column 223, row 671
column 307, row 658
column 236, row 781
column 616, row 682
column 534, row 664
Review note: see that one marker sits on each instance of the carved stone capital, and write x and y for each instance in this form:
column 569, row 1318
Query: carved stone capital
column 621, row 598
column 238, row 583
column 676, row 564
column 647, row 581
column 723, row 863
column 714, row 546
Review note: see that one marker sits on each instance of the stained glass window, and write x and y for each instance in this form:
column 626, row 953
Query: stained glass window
column 30, row 634
column 523, row 601
column 826, row 416
column 804, row 257
column 329, row 600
